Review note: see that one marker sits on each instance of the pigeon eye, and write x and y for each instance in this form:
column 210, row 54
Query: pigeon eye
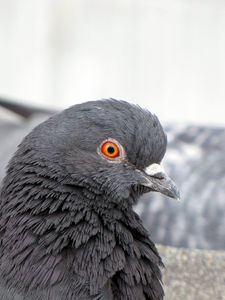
column 110, row 149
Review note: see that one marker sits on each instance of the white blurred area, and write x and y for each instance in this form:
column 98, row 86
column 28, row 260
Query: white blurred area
column 168, row 56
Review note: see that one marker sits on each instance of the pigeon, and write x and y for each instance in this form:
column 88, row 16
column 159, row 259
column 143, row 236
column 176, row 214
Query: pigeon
column 67, row 225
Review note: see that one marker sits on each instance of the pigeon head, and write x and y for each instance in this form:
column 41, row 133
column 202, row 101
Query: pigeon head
column 107, row 147
column 67, row 226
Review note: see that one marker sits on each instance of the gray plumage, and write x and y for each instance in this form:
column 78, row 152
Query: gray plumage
column 68, row 230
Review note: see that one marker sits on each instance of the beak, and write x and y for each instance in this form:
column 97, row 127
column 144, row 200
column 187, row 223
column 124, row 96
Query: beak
column 156, row 179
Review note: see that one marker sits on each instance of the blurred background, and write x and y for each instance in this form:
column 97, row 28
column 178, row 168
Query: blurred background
column 165, row 55
column 168, row 56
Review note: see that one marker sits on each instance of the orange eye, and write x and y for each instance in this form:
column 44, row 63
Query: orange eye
column 110, row 149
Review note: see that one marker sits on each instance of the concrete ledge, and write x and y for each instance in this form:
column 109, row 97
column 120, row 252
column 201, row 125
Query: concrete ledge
column 193, row 274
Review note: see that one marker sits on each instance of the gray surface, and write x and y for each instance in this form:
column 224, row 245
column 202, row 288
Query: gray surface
column 193, row 275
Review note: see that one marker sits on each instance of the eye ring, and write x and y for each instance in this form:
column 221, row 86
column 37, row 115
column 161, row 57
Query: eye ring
column 112, row 150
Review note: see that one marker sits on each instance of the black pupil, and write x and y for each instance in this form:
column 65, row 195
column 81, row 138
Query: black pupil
column 111, row 149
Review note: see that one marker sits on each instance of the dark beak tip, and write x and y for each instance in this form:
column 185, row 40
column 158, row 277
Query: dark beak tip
column 173, row 192
column 176, row 195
